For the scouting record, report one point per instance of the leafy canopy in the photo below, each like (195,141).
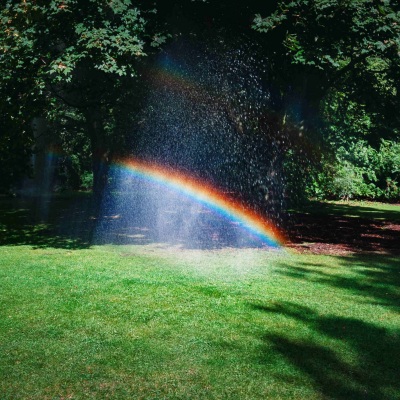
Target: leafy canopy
(54,38)
(332,34)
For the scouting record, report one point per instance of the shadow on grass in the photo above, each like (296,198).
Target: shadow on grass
(362,363)
(345,357)
(40,237)
(78,222)
(387,212)
(140,218)
(374,278)
(346,227)
(42,223)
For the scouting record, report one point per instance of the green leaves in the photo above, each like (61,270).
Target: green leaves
(65,54)
(380,46)
(342,59)
(108,36)
(360,171)
(266,24)
(344,30)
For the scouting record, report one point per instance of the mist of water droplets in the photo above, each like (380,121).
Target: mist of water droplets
(206,113)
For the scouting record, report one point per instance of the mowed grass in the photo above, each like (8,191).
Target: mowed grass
(146,322)
(374,211)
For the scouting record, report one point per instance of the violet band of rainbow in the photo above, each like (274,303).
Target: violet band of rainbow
(205,194)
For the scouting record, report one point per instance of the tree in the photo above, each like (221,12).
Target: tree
(15,145)
(84,55)
(352,46)
(341,60)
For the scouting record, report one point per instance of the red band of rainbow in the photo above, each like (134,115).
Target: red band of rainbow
(207,195)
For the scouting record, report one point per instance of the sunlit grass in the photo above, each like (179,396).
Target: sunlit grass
(355,209)
(143,322)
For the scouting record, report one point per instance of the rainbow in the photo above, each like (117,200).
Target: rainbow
(207,195)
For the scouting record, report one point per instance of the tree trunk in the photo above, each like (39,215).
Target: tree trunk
(99,151)
(43,163)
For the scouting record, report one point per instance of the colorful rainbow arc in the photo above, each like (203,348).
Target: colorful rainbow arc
(207,195)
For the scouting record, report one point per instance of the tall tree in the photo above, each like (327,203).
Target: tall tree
(338,67)
(351,46)
(85,55)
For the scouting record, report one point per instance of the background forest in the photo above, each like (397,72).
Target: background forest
(74,77)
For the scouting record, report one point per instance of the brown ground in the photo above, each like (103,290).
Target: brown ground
(343,235)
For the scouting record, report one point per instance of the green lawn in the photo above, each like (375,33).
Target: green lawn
(356,209)
(137,322)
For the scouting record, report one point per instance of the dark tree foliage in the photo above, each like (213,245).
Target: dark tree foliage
(84,55)
(352,46)
(332,73)
(342,61)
